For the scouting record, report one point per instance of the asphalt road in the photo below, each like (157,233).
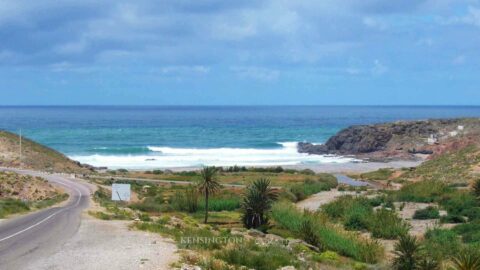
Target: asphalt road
(28,237)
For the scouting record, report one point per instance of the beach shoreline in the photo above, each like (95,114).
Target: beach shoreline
(346,167)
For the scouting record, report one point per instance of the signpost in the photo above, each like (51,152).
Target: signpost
(121,192)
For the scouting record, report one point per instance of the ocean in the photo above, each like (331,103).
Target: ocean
(147,137)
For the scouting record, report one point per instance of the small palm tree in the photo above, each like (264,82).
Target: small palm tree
(427,263)
(476,188)
(258,200)
(406,251)
(308,233)
(468,259)
(208,185)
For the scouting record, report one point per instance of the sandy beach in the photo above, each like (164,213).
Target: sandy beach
(347,167)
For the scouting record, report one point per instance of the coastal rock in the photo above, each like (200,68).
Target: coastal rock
(397,139)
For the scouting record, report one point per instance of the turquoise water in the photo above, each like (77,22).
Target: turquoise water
(144,137)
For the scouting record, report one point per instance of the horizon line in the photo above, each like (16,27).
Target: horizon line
(241,105)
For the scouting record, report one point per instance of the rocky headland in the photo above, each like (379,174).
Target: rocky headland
(402,140)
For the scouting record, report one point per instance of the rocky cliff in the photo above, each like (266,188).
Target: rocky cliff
(401,140)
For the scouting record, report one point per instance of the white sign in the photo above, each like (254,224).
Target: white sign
(120,192)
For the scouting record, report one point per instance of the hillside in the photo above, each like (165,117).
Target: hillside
(22,193)
(35,156)
(400,140)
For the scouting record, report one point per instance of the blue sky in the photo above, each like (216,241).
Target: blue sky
(272,52)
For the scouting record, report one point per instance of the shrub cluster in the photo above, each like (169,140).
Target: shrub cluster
(328,235)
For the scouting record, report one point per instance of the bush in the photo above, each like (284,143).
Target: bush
(441,243)
(149,204)
(429,212)
(467,259)
(452,219)
(187,200)
(472,213)
(217,204)
(308,234)
(470,232)
(324,182)
(424,191)
(329,236)
(256,257)
(347,205)
(12,206)
(458,202)
(380,174)
(407,253)
(386,224)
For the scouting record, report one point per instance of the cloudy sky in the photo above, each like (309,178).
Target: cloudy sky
(240,52)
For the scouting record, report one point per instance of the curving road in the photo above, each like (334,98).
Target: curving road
(28,237)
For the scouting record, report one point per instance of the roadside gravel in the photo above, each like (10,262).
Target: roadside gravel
(106,245)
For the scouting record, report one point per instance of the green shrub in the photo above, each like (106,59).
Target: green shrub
(328,256)
(102,196)
(380,174)
(424,191)
(441,243)
(467,259)
(386,224)
(472,213)
(470,232)
(257,257)
(429,212)
(347,205)
(149,204)
(406,253)
(12,206)
(308,234)
(329,236)
(220,204)
(458,202)
(452,219)
(308,187)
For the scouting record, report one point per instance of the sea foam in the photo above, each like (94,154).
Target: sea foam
(169,157)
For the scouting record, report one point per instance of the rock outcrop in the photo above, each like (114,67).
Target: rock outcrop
(401,139)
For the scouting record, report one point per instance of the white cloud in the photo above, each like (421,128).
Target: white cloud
(179,70)
(374,23)
(256,73)
(378,68)
(471,18)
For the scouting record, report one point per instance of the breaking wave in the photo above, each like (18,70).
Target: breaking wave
(170,157)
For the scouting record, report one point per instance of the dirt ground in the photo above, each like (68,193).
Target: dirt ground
(105,245)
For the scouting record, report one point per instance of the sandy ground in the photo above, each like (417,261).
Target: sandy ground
(314,202)
(105,245)
(356,167)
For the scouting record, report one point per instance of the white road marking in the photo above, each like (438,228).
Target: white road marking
(50,216)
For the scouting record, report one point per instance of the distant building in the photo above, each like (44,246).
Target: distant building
(432,139)
(460,127)
(453,133)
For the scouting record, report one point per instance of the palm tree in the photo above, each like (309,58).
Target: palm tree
(258,200)
(406,251)
(467,259)
(427,263)
(208,185)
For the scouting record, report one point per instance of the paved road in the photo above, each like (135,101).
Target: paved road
(28,237)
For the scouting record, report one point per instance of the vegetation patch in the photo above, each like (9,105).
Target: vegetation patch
(330,237)
(429,212)
(380,174)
